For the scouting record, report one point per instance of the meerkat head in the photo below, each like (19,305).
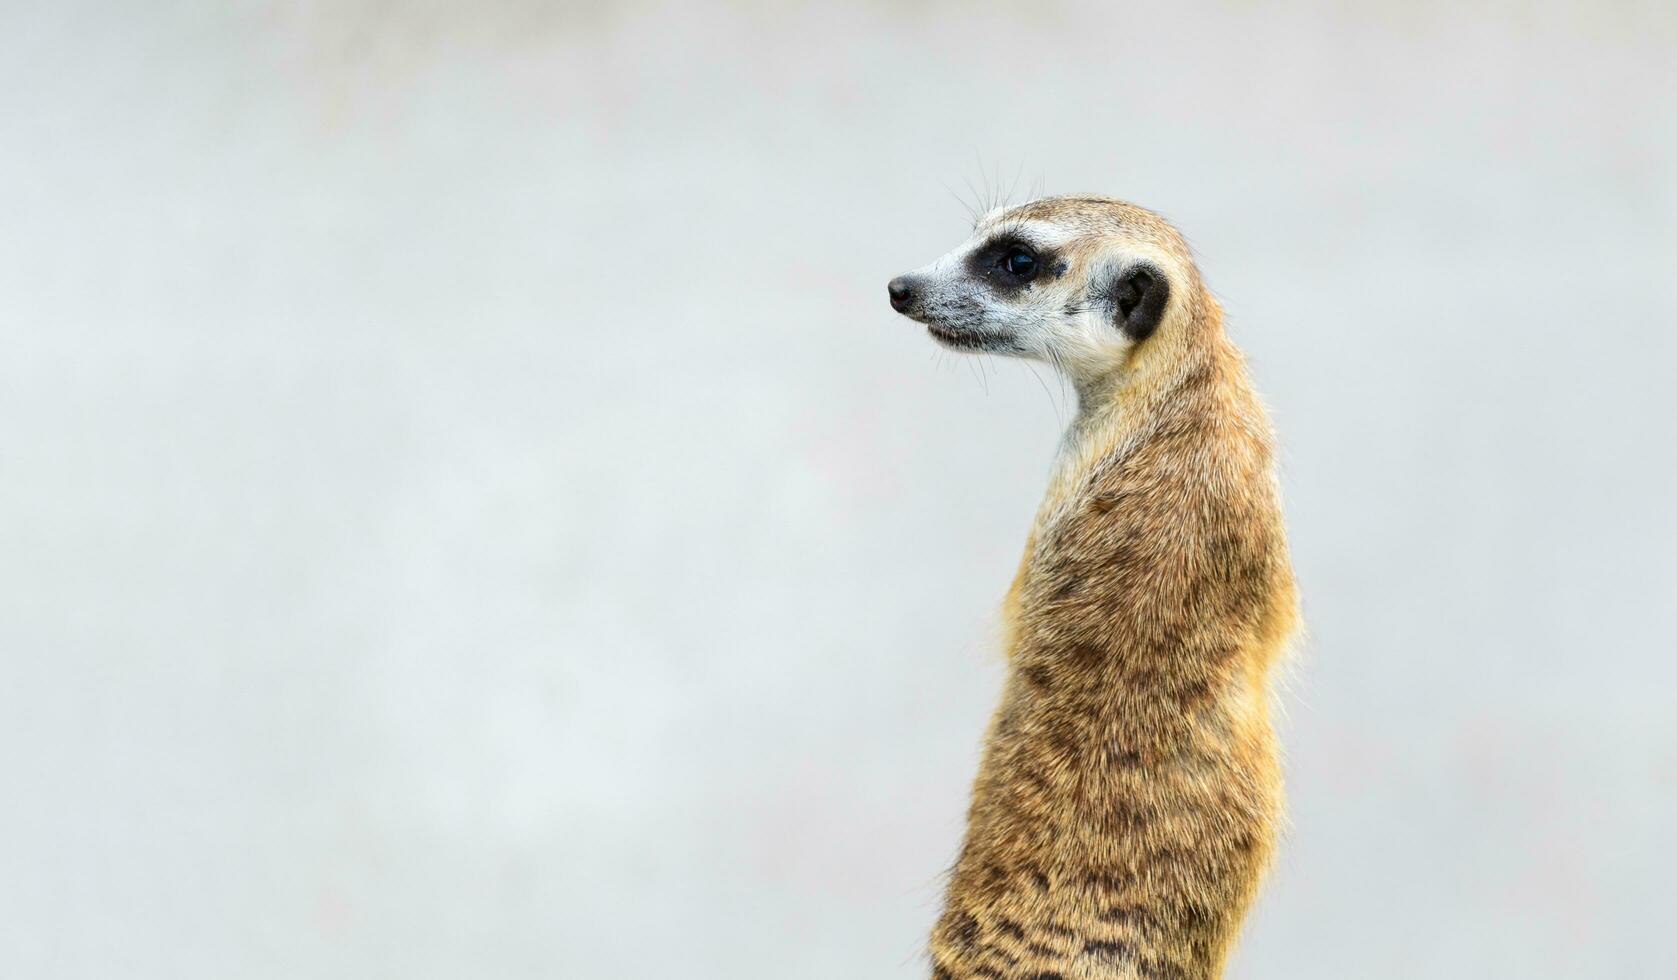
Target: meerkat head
(1076,281)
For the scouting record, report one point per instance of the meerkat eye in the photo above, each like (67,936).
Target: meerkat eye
(1019,262)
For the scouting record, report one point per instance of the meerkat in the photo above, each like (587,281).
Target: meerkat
(1129,793)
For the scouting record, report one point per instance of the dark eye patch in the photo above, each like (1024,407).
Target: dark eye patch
(1009,263)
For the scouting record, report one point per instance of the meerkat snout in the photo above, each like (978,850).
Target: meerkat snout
(902,293)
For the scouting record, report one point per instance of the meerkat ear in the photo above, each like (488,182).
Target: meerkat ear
(1138,296)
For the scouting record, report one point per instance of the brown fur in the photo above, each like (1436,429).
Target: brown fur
(1129,794)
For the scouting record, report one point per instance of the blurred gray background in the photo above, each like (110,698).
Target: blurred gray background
(466,508)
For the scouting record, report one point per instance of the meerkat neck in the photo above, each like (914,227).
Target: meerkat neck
(1098,393)
(1098,401)
(1117,404)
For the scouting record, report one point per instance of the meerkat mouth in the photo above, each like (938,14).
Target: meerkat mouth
(956,337)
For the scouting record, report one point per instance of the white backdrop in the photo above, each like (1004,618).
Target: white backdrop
(466,508)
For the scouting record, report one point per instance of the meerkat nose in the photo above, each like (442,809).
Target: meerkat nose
(902,293)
